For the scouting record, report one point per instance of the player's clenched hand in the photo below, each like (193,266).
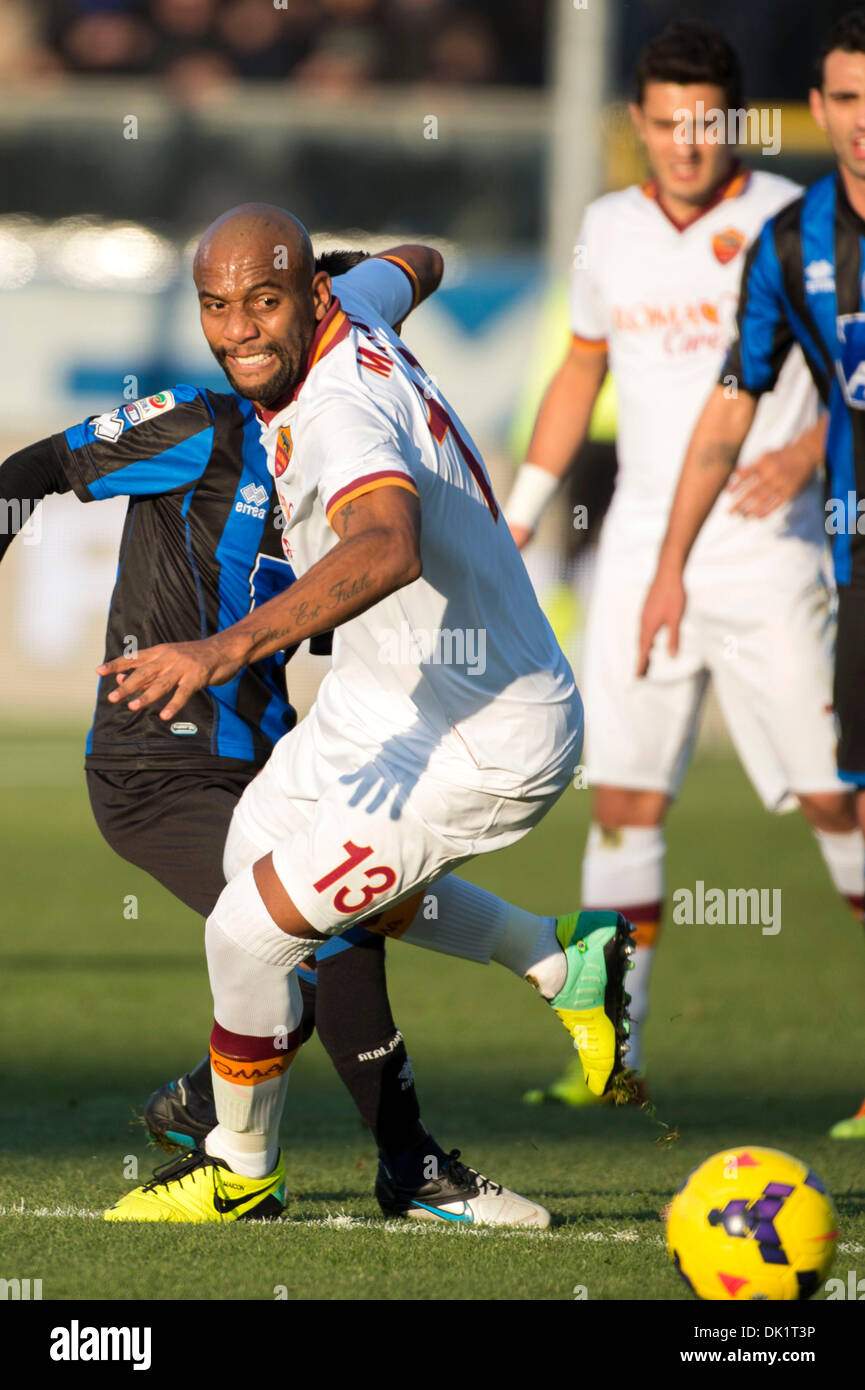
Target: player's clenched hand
(664,607)
(177,669)
(760,487)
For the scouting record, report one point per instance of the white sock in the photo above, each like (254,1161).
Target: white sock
(257,1013)
(459,919)
(623,867)
(530,948)
(637,985)
(844,857)
(623,871)
(251,1155)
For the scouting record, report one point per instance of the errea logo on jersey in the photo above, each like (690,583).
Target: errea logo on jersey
(254,497)
(819,277)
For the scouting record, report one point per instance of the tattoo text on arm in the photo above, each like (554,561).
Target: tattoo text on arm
(346,589)
(306,611)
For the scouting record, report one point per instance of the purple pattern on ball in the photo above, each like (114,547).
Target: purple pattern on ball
(813,1181)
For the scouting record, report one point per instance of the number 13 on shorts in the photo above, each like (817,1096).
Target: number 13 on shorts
(357,854)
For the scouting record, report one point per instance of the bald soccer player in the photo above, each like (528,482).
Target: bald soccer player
(202,544)
(447,726)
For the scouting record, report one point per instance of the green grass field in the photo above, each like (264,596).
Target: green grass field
(753,1039)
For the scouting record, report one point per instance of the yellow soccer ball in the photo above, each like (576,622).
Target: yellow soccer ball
(752,1223)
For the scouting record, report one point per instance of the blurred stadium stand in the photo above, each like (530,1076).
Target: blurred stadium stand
(329,45)
(126,125)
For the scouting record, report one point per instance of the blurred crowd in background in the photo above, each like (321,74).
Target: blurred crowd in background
(342,46)
(338,45)
(321,105)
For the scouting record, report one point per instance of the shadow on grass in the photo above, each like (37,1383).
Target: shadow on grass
(43,963)
(70,1110)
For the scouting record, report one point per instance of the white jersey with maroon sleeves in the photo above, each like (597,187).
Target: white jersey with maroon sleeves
(460,668)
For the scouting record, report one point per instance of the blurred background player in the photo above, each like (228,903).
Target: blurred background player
(653,288)
(803,284)
(562,573)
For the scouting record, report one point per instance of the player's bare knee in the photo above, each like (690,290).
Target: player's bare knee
(278,902)
(618,807)
(832,812)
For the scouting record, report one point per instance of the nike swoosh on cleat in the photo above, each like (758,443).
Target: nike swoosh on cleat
(445,1215)
(224,1204)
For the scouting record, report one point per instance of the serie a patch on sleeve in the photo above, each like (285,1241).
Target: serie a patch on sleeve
(111,425)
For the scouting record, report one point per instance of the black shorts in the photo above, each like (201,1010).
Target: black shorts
(849,694)
(172,824)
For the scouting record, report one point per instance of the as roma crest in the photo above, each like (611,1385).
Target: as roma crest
(283,452)
(727,244)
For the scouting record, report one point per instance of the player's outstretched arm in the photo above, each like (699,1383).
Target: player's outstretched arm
(378,553)
(25,479)
(560,429)
(711,457)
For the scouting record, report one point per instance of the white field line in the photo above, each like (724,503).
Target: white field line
(342,1221)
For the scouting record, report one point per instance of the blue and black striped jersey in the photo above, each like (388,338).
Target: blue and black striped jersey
(202,545)
(803,282)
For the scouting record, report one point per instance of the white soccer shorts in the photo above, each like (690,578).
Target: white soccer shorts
(353,829)
(767,648)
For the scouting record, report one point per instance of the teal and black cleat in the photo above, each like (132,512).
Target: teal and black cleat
(179,1114)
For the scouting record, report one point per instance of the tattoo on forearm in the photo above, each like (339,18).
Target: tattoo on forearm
(718,456)
(345,589)
(307,612)
(285,633)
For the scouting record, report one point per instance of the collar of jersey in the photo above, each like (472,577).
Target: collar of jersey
(330,332)
(732,186)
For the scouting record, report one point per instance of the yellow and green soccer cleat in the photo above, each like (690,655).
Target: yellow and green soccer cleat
(854,1128)
(592,1004)
(199,1188)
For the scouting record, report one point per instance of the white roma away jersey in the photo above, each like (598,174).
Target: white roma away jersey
(461,664)
(664,300)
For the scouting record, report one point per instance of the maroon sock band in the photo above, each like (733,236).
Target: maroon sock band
(243,1047)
